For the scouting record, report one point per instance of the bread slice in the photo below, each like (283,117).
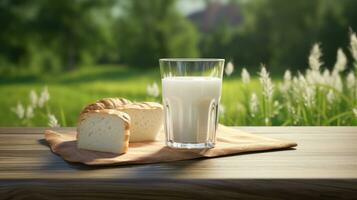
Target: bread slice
(146,120)
(105,130)
(146,117)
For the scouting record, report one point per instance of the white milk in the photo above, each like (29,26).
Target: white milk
(191,108)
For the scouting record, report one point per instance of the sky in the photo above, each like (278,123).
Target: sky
(187,7)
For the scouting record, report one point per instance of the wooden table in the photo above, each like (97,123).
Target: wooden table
(324,165)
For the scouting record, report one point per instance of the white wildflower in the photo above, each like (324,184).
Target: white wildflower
(296,89)
(306,90)
(266,120)
(301,81)
(287,76)
(309,96)
(245,76)
(337,82)
(253,104)
(229,68)
(314,77)
(341,61)
(277,107)
(326,77)
(285,86)
(314,58)
(300,84)
(52,121)
(355,111)
(153,90)
(221,109)
(29,112)
(292,113)
(266,83)
(353,45)
(44,97)
(282,88)
(19,110)
(33,98)
(330,97)
(351,80)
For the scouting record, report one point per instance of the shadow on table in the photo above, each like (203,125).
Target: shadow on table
(54,161)
(134,170)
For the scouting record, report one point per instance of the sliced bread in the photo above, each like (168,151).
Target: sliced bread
(146,117)
(105,130)
(146,120)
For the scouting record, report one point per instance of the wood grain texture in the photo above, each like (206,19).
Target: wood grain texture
(324,166)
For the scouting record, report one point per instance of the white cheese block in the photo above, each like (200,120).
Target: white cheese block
(104,130)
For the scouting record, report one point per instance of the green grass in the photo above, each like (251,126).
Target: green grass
(71,91)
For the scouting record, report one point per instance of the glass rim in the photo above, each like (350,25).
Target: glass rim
(191,59)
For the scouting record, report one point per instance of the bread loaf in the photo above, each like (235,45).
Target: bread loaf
(105,130)
(146,117)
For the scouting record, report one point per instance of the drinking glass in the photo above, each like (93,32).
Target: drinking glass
(191,91)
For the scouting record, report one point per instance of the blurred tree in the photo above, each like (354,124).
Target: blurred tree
(149,30)
(218,42)
(45,35)
(280,33)
(284,31)
(218,27)
(14,15)
(77,31)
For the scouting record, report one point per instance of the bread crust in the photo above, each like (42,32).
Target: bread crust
(106,103)
(141,105)
(124,116)
(120,104)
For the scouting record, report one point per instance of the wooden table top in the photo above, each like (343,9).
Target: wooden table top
(324,165)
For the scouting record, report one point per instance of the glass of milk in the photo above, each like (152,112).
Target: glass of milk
(191,91)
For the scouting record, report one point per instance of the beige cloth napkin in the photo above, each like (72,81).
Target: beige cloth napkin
(229,142)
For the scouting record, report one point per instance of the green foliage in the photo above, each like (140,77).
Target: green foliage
(51,36)
(45,35)
(13,20)
(149,30)
(77,31)
(280,33)
(41,36)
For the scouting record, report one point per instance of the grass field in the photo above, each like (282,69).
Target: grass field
(70,91)
(304,102)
